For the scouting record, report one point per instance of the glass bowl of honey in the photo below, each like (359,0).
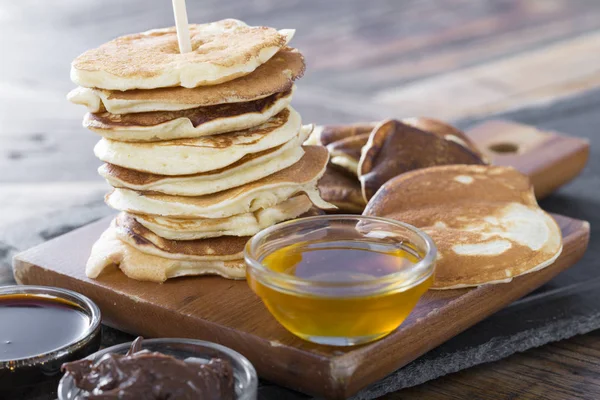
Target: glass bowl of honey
(340,280)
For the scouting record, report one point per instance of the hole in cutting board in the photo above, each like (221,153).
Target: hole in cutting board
(504,148)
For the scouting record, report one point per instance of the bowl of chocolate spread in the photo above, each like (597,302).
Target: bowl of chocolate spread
(158,369)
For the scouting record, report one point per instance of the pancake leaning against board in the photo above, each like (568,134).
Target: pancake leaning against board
(366,155)
(486,222)
(485,219)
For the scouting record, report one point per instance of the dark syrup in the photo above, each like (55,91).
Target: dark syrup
(31,325)
(32,328)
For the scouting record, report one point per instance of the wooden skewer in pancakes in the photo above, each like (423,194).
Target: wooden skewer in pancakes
(202,148)
(485,221)
(221,51)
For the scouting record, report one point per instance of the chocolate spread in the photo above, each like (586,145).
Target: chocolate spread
(145,375)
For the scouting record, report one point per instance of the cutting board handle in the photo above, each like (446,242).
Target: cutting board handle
(548,158)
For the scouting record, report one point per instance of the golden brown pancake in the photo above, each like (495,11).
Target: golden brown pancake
(190,123)
(327,134)
(209,153)
(238,174)
(134,177)
(219,248)
(341,190)
(443,130)
(249,168)
(246,224)
(345,142)
(330,134)
(110,250)
(221,51)
(275,76)
(301,177)
(345,153)
(395,148)
(484,220)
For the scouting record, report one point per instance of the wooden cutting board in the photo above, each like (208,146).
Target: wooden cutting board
(549,159)
(227,312)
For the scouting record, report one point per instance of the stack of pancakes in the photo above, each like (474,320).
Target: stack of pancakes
(202,149)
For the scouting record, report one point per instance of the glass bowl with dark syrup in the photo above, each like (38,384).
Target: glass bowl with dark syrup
(40,329)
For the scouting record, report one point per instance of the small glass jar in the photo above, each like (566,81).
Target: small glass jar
(245,378)
(40,373)
(341,313)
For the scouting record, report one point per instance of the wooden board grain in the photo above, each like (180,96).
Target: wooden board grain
(548,158)
(508,83)
(563,370)
(227,312)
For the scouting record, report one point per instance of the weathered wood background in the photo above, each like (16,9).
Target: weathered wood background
(452,59)
(537,61)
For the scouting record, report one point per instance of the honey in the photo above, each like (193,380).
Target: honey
(352,291)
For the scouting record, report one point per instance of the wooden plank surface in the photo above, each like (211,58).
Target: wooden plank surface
(548,158)
(227,312)
(354,54)
(366,51)
(539,76)
(210,308)
(559,371)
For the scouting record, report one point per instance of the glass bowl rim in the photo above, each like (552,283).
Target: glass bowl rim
(248,388)
(421,271)
(91,309)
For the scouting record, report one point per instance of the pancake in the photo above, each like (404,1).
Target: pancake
(301,177)
(327,134)
(192,123)
(445,131)
(342,191)
(221,51)
(109,250)
(275,76)
(485,221)
(249,168)
(209,153)
(345,153)
(395,148)
(246,224)
(225,248)
(345,142)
